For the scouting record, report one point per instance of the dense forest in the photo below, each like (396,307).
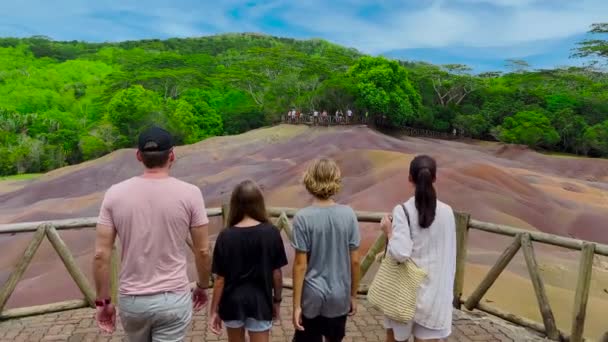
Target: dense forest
(66,102)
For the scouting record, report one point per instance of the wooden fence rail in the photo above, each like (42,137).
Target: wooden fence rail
(523,239)
(333,121)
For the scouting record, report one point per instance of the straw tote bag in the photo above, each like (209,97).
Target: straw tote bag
(395,287)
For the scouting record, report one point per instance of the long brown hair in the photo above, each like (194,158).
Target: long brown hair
(247,200)
(423,171)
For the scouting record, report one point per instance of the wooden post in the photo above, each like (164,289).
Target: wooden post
(462,234)
(70,264)
(288,228)
(493,274)
(284,224)
(370,257)
(582,292)
(26,258)
(114,274)
(518,320)
(539,288)
(225,212)
(43,309)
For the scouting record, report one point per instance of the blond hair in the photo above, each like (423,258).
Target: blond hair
(322,178)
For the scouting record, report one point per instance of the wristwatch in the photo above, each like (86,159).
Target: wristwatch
(102,302)
(200,287)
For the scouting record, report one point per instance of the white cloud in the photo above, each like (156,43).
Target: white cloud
(451,23)
(503,3)
(399,24)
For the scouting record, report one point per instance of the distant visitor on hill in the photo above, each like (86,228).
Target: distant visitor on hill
(326,239)
(247,262)
(153,215)
(423,230)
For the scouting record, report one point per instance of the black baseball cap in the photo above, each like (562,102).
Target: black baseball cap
(155,139)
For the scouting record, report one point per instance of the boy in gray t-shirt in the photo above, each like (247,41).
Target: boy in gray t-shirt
(326,268)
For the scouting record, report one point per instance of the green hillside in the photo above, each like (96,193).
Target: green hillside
(66,102)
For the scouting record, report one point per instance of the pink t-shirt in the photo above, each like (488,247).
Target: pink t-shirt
(152,218)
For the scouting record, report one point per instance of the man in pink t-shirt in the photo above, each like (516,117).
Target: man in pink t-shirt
(153,215)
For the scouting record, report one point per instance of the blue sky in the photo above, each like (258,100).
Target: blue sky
(420,29)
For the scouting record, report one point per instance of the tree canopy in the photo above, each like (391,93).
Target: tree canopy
(66,102)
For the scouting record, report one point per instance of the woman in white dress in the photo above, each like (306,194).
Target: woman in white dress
(429,239)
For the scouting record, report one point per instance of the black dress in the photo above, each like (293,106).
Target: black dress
(246,258)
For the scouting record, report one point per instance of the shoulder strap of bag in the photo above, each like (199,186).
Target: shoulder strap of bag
(407,217)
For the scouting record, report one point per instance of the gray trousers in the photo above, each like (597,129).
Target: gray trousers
(163,317)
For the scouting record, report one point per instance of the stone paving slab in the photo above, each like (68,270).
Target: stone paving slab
(78,325)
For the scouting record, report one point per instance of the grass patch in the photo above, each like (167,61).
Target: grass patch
(24,176)
(563,155)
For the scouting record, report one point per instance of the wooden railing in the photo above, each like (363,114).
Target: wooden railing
(329,120)
(523,239)
(333,121)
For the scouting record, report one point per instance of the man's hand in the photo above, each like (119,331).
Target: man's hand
(353,306)
(215,323)
(276,312)
(199,298)
(106,318)
(297,319)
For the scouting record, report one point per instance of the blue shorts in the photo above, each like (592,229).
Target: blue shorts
(250,324)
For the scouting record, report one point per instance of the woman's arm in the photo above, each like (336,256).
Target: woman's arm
(400,243)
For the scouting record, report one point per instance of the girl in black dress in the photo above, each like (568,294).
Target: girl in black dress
(247,262)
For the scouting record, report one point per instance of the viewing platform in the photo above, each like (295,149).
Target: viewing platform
(79,326)
(358,120)
(474,320)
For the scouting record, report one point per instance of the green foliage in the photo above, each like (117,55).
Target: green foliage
(131,110)
(20,177)
(383,88)
(596,138)
(528,128)
(596,47)
(205,119)
(66,102)
(474,126)
(92,147)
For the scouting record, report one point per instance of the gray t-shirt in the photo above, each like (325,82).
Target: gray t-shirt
(327,235)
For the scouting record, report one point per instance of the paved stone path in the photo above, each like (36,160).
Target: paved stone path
(78,325)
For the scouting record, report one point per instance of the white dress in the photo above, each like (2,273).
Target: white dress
(434,250)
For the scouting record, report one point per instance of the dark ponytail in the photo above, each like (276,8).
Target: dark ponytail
(423,171)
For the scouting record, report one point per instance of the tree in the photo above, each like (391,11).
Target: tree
(594,47)
(571,129)
(206,119)
(475,125)
(383,88)
(517,65)
(596,138)
(338,91)
(92,147)
(528,128)
(182,122)
(130,110)
(452,83)
(490,74)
